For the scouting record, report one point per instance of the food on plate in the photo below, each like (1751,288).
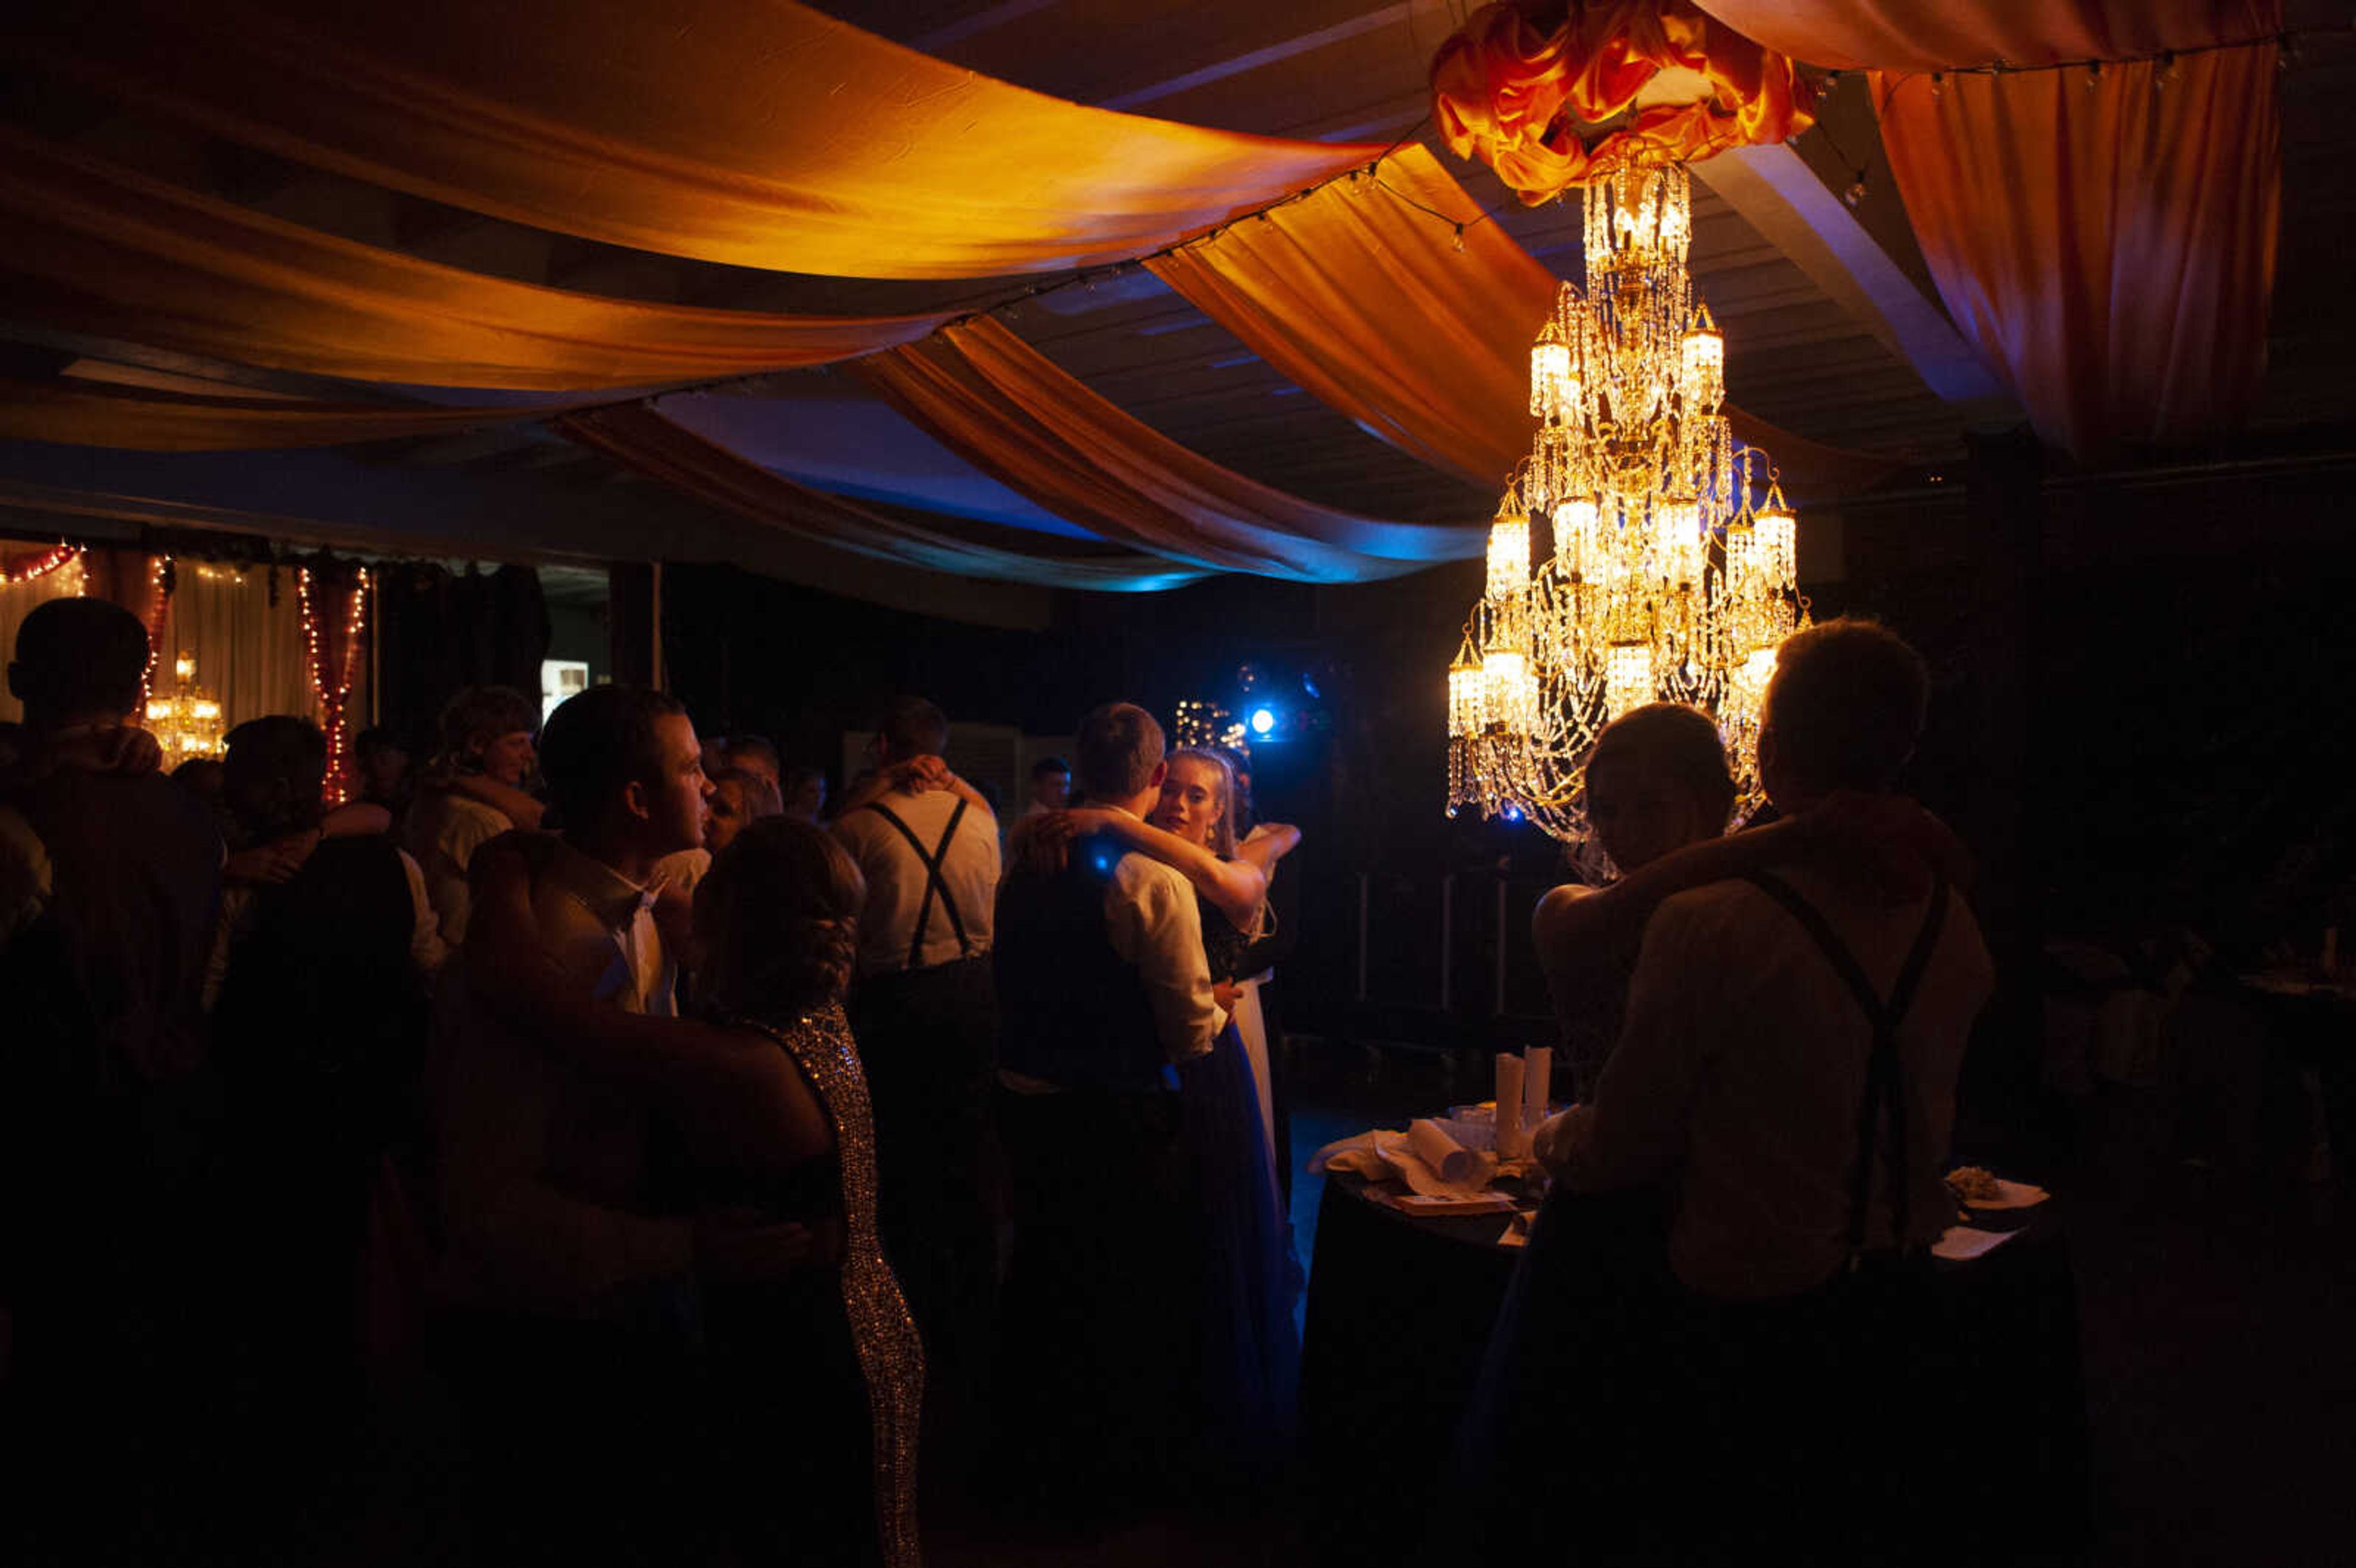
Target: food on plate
(1971,1184)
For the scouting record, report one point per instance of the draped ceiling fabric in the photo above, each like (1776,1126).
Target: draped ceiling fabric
(101,248)
(2107,244)
(1015,415)
(1361,298)
(663,449)
(759,132)
(78,414)
(1517,82)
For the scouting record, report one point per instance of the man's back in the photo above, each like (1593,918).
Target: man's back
(441,833)
(135,869)
(1742,1066)
(897,880)
(1096,983)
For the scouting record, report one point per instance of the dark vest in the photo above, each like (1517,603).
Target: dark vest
(1070,1011)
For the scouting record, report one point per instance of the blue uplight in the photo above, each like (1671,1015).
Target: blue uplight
(1513,813)
(1263,719)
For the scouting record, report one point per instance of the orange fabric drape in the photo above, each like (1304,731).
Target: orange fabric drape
(1516,83)
(96,248)
(1010,411)
(1359,295)
(663,449)
(1906,34)
(2108,245)
(2112,252)
(760,133)
(79,414)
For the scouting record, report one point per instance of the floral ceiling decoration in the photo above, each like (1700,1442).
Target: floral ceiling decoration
(1533,90)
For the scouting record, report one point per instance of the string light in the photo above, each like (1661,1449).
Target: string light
(334,689)
(160,578)
(55,558)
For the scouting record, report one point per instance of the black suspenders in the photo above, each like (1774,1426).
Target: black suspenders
(933,886)
(1885,1087)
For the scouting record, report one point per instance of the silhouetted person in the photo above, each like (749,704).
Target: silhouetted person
(105,1261)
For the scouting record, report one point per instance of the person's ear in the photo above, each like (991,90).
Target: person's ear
(636,799)
(1160,772)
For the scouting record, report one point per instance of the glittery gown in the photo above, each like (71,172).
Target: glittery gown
(819,1382)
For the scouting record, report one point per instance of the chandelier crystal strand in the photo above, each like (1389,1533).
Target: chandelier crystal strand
(1672,570)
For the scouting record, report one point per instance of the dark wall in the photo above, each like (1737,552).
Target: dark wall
(2139,711)
(438,630)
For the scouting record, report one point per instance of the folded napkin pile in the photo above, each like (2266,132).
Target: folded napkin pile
(1431,1162)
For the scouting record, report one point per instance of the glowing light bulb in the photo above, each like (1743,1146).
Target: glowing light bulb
(1464,700)
(1550,378)
(1578,534)
(1509,555)
(1627,678)
(1777,533)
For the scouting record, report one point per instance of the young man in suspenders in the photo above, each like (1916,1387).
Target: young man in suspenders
(925,1012)
(1787,1072)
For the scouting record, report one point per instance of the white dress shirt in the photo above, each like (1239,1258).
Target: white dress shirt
(444,831)
(1740,1069)
(1155,924)
(895,880)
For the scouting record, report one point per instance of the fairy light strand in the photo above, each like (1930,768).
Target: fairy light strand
(334,691)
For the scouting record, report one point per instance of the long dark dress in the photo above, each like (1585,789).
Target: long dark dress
(1251,1350)
(818,1381)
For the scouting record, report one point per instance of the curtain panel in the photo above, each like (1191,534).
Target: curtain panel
(19,600)
(759,132)
(97,248)
(2111,252)
(76,413)
(1906,34)
(2106,243)
(247,643)
(438,630)
(1359,295)
(1017,416)
(661,448)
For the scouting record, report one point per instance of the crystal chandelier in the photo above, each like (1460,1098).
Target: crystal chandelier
(1664,564)
(186,723)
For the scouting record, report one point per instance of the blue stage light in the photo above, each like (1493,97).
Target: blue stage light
(1263,719)
(1513,813)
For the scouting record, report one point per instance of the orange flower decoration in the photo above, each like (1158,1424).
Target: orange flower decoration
(1515,85)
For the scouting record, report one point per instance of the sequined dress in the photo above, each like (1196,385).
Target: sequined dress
(883,1335)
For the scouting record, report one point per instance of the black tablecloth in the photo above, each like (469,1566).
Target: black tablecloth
(1399,1313)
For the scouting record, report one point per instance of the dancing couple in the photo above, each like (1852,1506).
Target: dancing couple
(1149,1347)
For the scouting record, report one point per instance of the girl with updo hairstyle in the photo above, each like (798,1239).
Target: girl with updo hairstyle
(814,1372)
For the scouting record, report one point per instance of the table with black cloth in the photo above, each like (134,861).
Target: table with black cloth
(1399,1312)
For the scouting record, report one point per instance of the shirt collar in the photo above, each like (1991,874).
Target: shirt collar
(612,897)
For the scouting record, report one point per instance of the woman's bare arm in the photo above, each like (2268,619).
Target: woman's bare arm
(356,819)
(519,807)
(1237,887)
(1269,843)
(1573,922)
(708,1072)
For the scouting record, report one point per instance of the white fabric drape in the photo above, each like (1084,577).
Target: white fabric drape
(17,601)
(249,653)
